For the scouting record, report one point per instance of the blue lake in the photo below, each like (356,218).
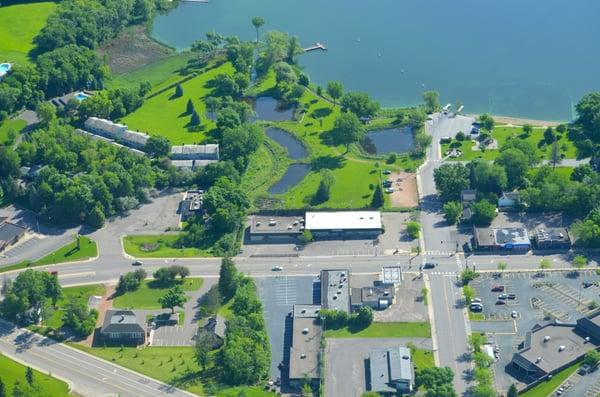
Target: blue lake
(294,174)
(523,58)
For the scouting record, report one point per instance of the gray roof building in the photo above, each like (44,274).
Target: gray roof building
(378,297)
(391,370)
(306,344)
(122,326)
(118,132)
(10,233)
(513,238)
(276,225)
(335,289)
(552,238)
(195,152)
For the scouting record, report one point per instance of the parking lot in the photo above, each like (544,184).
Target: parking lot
(564,295)
(278,295)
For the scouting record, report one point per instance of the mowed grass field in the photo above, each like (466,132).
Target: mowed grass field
(166,115)
(11,371)
(133,245)
(81,293)
(8,125)
(147,295)
(384,330)
(20,24)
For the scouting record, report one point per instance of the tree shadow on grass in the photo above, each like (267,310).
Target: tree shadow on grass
(327,138)
(321,113)
(328,161)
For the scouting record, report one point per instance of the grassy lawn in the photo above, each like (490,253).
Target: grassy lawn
(546,388)
(166,116)
(503,133)
(15,125)
(146,297)
(476,316)
(82,293)
(384,330)
(161,247)
(563,172)
(68,253)
(423,358)
(11,371)
(20,24)
(252,391)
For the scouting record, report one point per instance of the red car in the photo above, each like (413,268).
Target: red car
(498,288)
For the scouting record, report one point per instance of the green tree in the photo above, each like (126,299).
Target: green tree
(580,262)
(360,104)
(512,391)
(487,177)
(452,211)
(484,212)
(432,101)
(205,343)
(46,112)
(378,199)
(469,294)
(3,392)
(370,394)
(444,390)
(158,146)
(306,237)
(450,180)
(527,129)
(431,377)
(257,22)
(516,165)
(476,341)
(29,376)
(324,189)
(555,154)
(96,217)
(413,229)
(549,135)
(334,319)
(545,264)
(347,130)
(487,122)
(502,266)
(228,279)
(591,358)
(335,90)
(363,318)
(174,297)
(468,275)
(243,361)
(306,390)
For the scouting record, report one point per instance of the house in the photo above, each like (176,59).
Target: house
(335,289)
(305,349)
(10,233)
(391,371)
(344,224)
(122,326)
(510,201)
(378,297)
(552,238)
(216,327)
(499,239)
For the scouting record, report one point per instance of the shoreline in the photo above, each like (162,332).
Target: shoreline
(518,121)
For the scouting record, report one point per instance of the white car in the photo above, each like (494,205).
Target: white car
(514,314)
(277,268)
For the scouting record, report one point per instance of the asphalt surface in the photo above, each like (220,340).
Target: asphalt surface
(86,374)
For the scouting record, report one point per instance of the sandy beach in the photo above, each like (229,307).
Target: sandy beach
(519,121)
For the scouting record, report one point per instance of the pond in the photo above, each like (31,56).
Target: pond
(268,109)
(392,140)
(294,174)
(295,149)
(513,57)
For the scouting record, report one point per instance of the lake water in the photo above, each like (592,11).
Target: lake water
(393,140)
(294,174)
(296,150)
(267,109)
(525,58)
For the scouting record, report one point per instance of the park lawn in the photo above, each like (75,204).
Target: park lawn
(20,24)
(66,254)
(503,133)
(385,330)
(563,172)
(81,293)
(8,125)
(147,295)
(160,73)
(133,246)
(11,371)
(546,388)
(166,116)
(248,391)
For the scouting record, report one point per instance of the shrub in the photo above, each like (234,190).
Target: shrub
(413,229)
(460,136)
(391,158)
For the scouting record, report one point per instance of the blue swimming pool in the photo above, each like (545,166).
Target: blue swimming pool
(4,68)
(81,96)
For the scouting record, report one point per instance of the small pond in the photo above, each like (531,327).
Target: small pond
(294,174)
(268,109)
(392,140)
(295,148)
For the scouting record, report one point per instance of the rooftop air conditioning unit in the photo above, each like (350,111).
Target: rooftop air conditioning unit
(537,360)
(303,355)
(305,331)
(546,338)
(561,348)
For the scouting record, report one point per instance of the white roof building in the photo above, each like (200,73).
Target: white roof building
(343,220)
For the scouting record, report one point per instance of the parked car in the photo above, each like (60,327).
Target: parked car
(389,190)
(514,314)
(475,130)
(503,296)
(137,263)
(277,268)
(512,296)
(476,307)
(498,288)
(500,302)
(429,265)
(584,369)
(387,183)
(386,172)
(476,300)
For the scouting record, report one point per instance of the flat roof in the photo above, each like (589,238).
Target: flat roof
(552,234)
(486,236)
(563,347)
(306,344)
(276,224)
(335,289)
(390,365)
(343,220)
(8,231)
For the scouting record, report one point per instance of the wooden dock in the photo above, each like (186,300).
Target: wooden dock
(317,46)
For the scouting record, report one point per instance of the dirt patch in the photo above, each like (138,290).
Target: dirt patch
(133,49)
(405,190)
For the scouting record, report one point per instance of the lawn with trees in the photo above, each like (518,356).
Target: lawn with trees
(383,330)
(42,385)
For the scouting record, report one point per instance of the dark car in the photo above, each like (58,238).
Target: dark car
(512,296)
(500,302)
(498,288)
(429,265)
(137,263)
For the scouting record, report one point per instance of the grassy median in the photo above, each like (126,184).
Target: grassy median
(384,330)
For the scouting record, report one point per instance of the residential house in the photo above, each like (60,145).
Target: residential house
(509,201)
(122,326)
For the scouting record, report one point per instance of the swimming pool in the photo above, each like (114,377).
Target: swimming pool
(81,96)
(4,68)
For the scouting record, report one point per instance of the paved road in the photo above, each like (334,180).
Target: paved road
(87,375)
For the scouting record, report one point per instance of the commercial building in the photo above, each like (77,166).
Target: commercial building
(122,326)
(378,297)
(391,371)
(344,224)
(335,289)
(548,349)
(552,238)
(275,229)
(191,205)
(496,239)
(305,351)
(10,233)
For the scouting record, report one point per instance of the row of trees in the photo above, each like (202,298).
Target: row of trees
(28,387)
